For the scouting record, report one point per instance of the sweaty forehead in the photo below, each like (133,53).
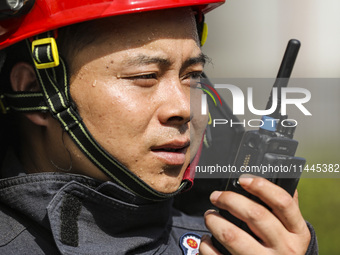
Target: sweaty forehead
(126,32)
(146,26)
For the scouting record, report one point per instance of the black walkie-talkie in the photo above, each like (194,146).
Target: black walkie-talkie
(271,146)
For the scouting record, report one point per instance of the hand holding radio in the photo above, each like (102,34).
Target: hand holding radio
(262,215)
(281,230)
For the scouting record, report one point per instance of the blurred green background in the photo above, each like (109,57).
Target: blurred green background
(246,40)
(320,205)
(320,201)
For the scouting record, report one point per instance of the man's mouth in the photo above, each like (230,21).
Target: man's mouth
(172,153)
(169,149)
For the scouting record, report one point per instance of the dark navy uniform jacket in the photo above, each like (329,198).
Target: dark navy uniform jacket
(60,213)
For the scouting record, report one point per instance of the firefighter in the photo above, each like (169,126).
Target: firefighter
(98,136)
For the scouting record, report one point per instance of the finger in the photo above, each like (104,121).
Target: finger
(230,236)
(296,197)
(207,247)
(281,203)
(259,219)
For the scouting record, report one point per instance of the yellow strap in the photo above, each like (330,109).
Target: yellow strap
(52,49)
(204,34)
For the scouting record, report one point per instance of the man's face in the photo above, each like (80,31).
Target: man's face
(132,89)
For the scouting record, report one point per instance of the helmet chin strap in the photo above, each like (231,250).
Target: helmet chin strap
(56,98)
(189,174)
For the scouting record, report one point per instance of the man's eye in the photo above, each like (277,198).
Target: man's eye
(196,75)
(143,80)
(192,79)
(142,76)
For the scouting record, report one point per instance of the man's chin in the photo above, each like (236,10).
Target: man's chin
(166,185)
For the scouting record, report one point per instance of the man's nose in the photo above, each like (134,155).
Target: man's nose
(175,104)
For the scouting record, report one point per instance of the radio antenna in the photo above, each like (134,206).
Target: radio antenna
(283,75)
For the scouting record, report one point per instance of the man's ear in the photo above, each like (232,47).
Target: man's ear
(23,78)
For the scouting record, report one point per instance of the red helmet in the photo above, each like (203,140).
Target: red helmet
(22,19)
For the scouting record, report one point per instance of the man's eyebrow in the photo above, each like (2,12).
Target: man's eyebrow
(147,60)
(140,60)
(200,59)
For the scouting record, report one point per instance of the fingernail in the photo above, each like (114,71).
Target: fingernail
(209,212)
(204,238)
(215,195)
(246,179)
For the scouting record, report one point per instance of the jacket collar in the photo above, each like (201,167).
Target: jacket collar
(86,216)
